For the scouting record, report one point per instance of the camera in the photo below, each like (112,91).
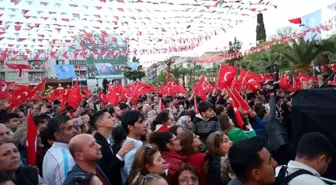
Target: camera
(269,87)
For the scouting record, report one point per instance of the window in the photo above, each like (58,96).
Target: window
(12,75)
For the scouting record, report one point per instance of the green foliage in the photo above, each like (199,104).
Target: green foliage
(161,78)
(136,60)
(134,75)
(302,52)
(260,31)
(234,47)
(258,62)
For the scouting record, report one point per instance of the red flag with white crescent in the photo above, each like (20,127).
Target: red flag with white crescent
(31,140)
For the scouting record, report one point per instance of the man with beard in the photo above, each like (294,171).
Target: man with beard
(86,153)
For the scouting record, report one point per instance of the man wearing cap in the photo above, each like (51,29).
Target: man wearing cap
(206,121)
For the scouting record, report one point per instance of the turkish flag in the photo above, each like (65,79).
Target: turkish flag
(226,75)
(295,21)
(200,88)
(74,97)
(31,140)
(253,81)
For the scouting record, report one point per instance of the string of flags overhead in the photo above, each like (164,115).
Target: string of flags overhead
(35,29)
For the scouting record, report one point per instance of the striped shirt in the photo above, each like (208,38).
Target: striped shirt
(57,163)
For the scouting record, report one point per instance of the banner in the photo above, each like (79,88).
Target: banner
(65,71)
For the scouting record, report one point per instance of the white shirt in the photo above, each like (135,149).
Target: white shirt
(304,179)
(129,158)
(57,163)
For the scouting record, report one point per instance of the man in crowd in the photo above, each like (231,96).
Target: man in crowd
(135,126)
(146,108)
(58,162)
(277,138)
(13,121)
(111,162)
(86,153)
(5,134)
(251,162)
(313,155)
(205,122)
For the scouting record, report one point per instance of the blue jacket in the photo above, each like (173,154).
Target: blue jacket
(76,170)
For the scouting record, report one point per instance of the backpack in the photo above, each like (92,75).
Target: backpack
(284,179)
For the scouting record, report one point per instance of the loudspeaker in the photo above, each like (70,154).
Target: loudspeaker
(314,110)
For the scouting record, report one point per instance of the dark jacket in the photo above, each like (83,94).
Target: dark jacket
(215,171)
(110,164)
(26,176)
(204,128)
(276,134)
(77,170)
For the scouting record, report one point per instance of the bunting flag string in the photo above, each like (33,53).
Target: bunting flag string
(327,26)
(144,26)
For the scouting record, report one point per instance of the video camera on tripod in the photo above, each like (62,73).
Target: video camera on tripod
(272,85)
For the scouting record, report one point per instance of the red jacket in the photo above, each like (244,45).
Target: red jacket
(173,161)
(197,161)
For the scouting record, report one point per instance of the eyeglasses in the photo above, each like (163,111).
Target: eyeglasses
(187,180)
(147,177)
(195,136)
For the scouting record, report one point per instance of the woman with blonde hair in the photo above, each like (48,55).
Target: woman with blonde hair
(218,145)
(147,160)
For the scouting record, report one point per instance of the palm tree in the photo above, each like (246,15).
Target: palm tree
(258,62)
(300,53)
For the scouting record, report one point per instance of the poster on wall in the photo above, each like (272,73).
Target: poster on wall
(65,71)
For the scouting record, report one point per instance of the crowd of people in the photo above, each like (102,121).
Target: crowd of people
(184,141)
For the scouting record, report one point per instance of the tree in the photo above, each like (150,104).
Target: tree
(286,31)
(135,59)
(134,75)
(137,74)
(161,78)
(258,62)
(300,53)
(234,47)
(261,32)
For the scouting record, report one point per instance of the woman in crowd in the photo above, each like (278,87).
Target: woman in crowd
(186,175)
(218,145)
(190,144)
(235,134)
(185,122)
(177,130)
(147,160)
(153,179)
(162,122)
(10,164)
(169,146)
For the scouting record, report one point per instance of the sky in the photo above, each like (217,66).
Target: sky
(273,19)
